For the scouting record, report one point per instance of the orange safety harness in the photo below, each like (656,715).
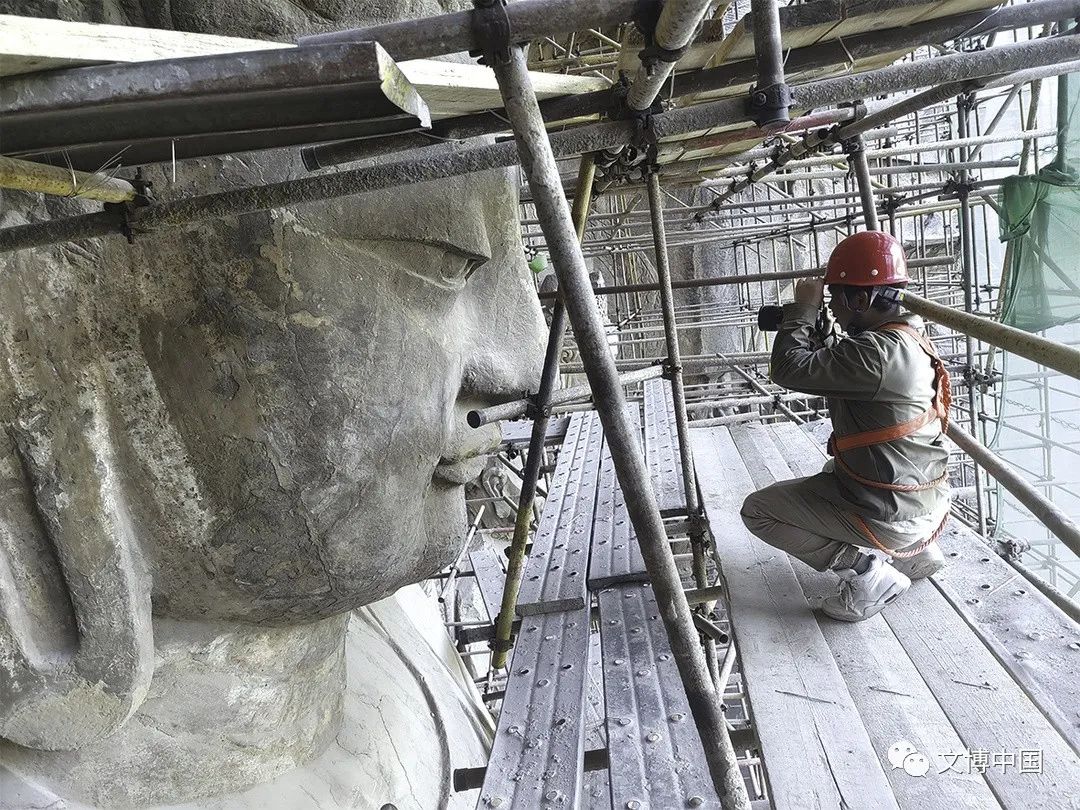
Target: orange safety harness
(939,409)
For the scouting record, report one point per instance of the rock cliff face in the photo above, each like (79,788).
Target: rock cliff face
(258,420)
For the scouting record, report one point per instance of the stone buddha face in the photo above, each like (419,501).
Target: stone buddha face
(318,380)
(256,420)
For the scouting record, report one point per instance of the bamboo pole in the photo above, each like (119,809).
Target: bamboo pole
(25,175)
(516,555)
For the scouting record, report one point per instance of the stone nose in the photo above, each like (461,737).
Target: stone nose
(507,365)
(504,353)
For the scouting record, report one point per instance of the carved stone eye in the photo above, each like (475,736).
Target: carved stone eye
(444,266)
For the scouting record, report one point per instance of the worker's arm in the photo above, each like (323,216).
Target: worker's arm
(851,369)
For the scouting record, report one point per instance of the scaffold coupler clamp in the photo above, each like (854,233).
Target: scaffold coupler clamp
(124,210)
(646,18)
(890,203)
(1013,548)
(491,32)
(670,369)
(644,139)
(768,106)
(508,644)
(697,525)
(852,145)
(534,408)
(954,186)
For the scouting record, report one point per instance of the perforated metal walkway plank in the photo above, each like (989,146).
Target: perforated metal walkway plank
(518,434)
(615,555)
(655,754)
(537,755)
(490,579)
(662,448)
(556,571)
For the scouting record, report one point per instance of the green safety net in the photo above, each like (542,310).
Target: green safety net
(1040,218)
(1038,431)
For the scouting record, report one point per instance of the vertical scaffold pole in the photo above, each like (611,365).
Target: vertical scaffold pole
(967,258)
(542,172)
(515,563)
(856,152)
(678,394)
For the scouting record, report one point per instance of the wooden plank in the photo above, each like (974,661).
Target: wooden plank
(557,568)
(894,702)
(986,706)
(536,756)
(1031,637)
(654,751)
(824,21)
(808,24)
(453,88)
(816,750)
(615,555)
(490,578)
(662,448)
(31,44)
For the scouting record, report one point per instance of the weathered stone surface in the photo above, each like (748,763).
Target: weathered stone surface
(244,429)
(396,740)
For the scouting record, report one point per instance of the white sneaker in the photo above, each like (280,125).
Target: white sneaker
(924,564)
(864,595)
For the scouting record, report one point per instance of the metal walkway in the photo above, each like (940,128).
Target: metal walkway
(654,756)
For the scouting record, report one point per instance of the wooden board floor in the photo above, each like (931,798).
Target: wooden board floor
(945,683)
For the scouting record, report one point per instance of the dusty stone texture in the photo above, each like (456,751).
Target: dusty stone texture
(395,741)
(254,424)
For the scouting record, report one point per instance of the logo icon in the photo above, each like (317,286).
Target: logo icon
(903,754)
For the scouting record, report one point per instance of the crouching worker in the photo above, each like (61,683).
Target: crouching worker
(873,515)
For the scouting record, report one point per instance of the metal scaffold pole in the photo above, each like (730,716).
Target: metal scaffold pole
(553,212)
(678,394)
(856,152)
(1036,348)
(515,565)
(967,257)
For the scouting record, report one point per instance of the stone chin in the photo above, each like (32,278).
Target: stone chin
(293,578)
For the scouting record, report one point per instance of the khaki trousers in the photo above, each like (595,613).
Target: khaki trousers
(792,518)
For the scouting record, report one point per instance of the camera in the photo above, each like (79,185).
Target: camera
(769,318)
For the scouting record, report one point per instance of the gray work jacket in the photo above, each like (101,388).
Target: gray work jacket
(872,380)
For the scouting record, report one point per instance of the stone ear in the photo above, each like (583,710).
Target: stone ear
(61,688)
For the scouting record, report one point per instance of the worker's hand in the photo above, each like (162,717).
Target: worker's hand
(810,291)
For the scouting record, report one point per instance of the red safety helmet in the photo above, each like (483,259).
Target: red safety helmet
(868,259)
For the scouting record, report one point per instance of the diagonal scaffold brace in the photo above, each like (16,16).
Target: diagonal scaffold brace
(542,172)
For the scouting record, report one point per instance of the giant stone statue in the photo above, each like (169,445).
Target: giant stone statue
(221,448)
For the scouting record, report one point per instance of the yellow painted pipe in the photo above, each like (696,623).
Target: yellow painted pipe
(25,175)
